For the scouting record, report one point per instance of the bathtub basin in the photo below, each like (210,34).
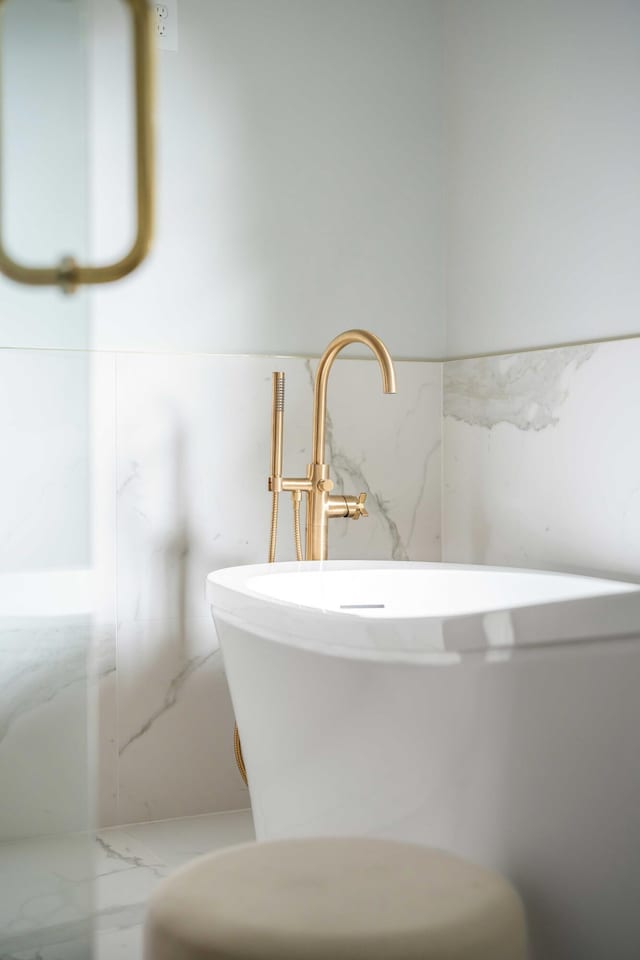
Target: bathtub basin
(491,712)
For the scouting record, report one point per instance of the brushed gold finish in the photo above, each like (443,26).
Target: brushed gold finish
(322,505)
(277,422)
(296,497)
(343,340)
(304,484)
(273,532)
(237,749)
(68,274)
(277,418)
(356,506)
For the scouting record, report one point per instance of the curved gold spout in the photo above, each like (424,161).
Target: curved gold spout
(381,354)
(322,505)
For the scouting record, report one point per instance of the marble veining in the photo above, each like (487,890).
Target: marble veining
(369,435)
(124,857)
(347,469)
(36,665)
(43,702)
(561,490)
(350,472)
(526,390)
(171,696)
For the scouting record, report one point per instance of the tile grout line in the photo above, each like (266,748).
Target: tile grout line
(506,352)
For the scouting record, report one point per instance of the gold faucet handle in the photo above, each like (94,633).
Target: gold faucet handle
(356,506)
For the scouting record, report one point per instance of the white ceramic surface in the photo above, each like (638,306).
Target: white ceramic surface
(507,735)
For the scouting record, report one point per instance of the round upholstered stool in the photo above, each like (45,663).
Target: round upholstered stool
(334,899)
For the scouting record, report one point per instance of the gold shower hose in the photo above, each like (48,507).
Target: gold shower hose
(296,497)
(237,746)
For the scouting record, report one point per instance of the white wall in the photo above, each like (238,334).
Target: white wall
(300,155)
(462,171)
(543,147)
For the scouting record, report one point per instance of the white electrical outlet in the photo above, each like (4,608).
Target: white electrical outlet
(166,24)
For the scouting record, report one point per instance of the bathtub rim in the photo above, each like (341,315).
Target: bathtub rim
(445,640)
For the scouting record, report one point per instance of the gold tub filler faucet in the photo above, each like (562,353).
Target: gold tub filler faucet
(322,504)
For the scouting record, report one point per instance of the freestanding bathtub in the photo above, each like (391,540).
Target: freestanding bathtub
(491,712)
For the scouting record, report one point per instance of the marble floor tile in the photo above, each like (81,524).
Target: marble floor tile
(119,943)
(77,949)
(177,841)
(117,850)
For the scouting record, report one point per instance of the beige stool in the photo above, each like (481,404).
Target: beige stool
(334,899)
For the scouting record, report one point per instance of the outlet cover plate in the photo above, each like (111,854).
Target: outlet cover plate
(166,24)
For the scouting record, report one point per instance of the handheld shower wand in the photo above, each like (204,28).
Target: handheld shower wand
(277,424)
(275,480)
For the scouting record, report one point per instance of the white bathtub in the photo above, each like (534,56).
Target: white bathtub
(491,712)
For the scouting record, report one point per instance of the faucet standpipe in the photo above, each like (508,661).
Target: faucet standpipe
(322,505)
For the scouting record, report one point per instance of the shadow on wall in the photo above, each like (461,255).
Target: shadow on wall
(175,721)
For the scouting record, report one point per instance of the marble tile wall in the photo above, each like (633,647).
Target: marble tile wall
(181,455)
(541,462)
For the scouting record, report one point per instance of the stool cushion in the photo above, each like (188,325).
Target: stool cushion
(334,899)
